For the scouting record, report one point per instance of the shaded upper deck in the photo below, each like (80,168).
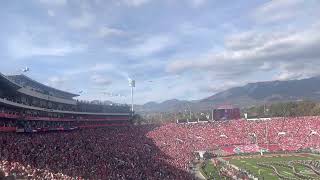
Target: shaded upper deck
(29,83)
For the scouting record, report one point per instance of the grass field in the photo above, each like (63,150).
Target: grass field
(210,171)
(250,164)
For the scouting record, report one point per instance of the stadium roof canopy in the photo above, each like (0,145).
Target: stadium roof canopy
(23,80)
(5,81)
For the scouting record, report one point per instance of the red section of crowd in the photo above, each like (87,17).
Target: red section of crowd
(145,152)
(179,141)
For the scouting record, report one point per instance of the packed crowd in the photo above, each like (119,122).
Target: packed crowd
(31,126)
(80,106)
(179,141)
(112,153)
(145,152)
(31,119)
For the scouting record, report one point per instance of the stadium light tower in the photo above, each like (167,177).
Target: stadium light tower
(132,84)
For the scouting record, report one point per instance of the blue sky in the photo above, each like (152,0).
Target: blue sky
(184,49)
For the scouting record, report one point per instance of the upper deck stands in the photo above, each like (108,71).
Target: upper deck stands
(21,92)
(19,105)
(29,83)
(29,87)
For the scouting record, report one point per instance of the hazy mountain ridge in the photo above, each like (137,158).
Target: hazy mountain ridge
(250,94)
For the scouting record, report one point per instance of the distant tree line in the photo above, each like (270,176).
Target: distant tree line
(285,109)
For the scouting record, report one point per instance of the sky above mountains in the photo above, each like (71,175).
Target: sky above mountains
(183,49)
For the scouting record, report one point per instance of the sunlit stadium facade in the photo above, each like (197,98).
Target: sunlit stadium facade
(29,106)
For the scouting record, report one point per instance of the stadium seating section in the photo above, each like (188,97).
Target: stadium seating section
(147,151)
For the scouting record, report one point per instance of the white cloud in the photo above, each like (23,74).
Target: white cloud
(96,68)
(107,32)
(152,45)
(54,2)
(56,81)
(251,39)
(197,3)
(100,80)
(249,54)
(278,10)
(286,75)
(266,66)
(278,5)
(51,13)
(218,87)
(101,67)
(135,3)
(289,71)
(147,46)
(85,20)
(188,28)
(25,45)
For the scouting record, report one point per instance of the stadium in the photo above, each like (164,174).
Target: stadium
(46,134)
(31,106)
(159,90)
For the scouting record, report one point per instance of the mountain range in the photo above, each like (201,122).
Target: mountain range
(249,95)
